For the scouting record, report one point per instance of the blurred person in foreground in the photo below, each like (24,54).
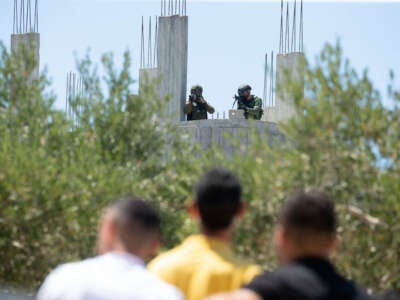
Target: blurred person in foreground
(204,263)
(129,233)
(305,237)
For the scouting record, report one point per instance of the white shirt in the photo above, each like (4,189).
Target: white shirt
(112,276)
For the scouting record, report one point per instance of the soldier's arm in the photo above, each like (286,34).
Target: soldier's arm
(210,109)
(257,104)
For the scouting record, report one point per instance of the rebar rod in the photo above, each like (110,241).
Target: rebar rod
(155,44)
(294,29)
(142,46)
(301,28)
(287,34)
(149,46)
(265,80)
(281,30)
(271,90)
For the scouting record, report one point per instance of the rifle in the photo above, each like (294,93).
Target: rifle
(236,97)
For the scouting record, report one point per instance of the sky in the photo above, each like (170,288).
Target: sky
(228,40)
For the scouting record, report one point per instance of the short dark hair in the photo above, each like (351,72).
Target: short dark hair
(218,196)
(310,211)
(134,216)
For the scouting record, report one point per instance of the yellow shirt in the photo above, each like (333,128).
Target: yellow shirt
(202,266)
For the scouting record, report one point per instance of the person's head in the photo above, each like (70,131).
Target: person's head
(130,225)
(196,90)
(306,226)
(217,200)
(244,90)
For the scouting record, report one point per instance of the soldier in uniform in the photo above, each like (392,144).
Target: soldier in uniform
(196,108)
(251,104)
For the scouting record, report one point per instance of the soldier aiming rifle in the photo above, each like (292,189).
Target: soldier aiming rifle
(251,104)
(196,107)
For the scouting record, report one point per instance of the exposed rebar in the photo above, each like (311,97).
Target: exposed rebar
(25,17)
(265,81)
(36,16)
(301,28)
(281,30)
(149,47)
(271,89)
(287,29)
(142,46)
(155,44)
(73,98)
(293,46)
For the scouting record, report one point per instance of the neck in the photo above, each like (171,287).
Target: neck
(289,257)
(224,235)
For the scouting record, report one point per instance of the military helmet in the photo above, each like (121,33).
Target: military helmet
(197,88)
(243,87)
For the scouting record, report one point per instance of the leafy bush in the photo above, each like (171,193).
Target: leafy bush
(55,178)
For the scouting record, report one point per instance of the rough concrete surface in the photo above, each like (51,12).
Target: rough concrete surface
(220,133)
(172,57)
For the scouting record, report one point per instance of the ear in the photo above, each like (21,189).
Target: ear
(107,233)
(193,210)
(242,209)
(334,244)
(283,239)
(152,248)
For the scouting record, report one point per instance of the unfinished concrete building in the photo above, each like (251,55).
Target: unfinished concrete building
(170,66)
(166,57)
(170,43)
(26,31)
(280,106)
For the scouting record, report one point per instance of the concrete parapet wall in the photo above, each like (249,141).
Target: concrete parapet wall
(220,133)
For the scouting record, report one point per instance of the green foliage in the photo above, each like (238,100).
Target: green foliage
(345,142)
(56,177)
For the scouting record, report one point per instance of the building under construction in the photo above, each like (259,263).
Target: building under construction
(163,55)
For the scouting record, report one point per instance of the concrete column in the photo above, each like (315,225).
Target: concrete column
(172,58)
(288,72)
(31,42)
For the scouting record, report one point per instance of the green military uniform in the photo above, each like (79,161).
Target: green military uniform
(252,105)
(196,108)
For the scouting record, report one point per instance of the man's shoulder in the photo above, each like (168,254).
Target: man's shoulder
(98,276)
(62,277)
(306,283)
(256,98)
(169,258)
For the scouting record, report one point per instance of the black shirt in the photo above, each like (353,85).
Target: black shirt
(309,278)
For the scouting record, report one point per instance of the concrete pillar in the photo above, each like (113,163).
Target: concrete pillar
(172,58)
(31,42)
(288,72)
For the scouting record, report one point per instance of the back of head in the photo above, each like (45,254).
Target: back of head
(218,197)
(137,222)
(308,214)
